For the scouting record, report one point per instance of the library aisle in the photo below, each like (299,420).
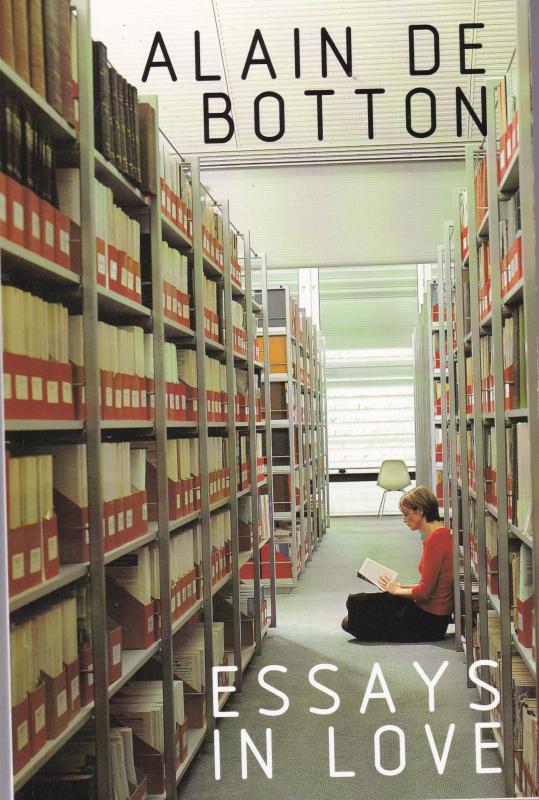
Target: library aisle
(309,634)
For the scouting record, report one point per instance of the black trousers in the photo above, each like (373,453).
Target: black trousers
(383,617)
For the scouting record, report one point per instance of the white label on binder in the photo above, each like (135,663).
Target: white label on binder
(144,512)
(3,208)
(53,396)
(129,517)
(64,242)
(113,270)
(121,521)
(138,285)
(74,688)
(101,264)
(150,623)
(37,387)
(90,674)
(17,566)
(36,227)
(67,396)
(7,386)
(108,396)
(126,398)
(35,560)
(118,398)
(130,280)
(116,654)
(135,403)
(22,735)
(18,215)
(61,703)
(111,524)
(124,276)
(39,718)
(49,233)
(21,387)
(52,548)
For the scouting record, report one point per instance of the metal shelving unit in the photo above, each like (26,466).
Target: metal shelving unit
(471,502)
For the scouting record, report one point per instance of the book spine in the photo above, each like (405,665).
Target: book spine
(37,52)
(7,46)
(64,26)
(20,39)
(53,75)
(103,138)
(115,117)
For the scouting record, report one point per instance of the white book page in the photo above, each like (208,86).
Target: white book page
(372,571)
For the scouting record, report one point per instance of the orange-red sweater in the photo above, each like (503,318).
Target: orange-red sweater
(434,592)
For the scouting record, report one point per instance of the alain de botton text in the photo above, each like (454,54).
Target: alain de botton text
(389,743)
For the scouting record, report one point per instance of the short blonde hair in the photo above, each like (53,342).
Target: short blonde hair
(422,499)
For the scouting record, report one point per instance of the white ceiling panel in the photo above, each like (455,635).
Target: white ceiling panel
(379,59)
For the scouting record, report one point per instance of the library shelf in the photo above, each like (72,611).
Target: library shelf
(517,413)
(218,585)
(125,193)
(492,510)
(485,323)
(257,308)
(510,181)
(488,417)
(237,291)
(280,330)
(43,425)
(494,601)
(281,377)
(69,573)
(472,493)
(51,121)
(525,652)
(245,556)
(173,424)
(243,492)
(498,739)
(186,616)
(281,423)
(13,256)
(219,504)
(211,267)
(174,330)
(134,544)
(239,358)
(114,303)
(126,424)
(261,426)
(514,295)
(483,229)
(218,426)
(258,365)
(284,469)
(214,347)
(174,236)
(132,661)
(520,534)
(242,425)
(248,651)
(180,523)
(51,747)
(262,484)
(195,739)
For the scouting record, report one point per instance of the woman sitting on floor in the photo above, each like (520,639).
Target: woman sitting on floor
(417,612)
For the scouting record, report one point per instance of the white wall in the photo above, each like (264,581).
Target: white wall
(338,215)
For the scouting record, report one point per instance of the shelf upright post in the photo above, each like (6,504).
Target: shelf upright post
(325,422)
(93,412)
(477,416)
(232,443)
(461,402)
(251,333)
(501,453)
(528,98)
(269,453)
(203,437)
(428,326)
(320,439)
(303,462)
(6,760)
(444,347)
(163,536)
(312,400)
(449,234)
(293,412)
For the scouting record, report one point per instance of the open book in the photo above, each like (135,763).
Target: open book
(372,571)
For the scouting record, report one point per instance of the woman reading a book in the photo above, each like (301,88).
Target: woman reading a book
(410,612)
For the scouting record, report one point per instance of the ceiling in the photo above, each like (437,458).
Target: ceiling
(379,36)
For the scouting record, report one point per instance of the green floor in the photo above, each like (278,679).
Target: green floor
(309,634)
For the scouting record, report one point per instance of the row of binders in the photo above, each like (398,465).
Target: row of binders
(38,39)
(176,300)
(175,190)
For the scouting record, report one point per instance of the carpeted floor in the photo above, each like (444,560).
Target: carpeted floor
(309,634)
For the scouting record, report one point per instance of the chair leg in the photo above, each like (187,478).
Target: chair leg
(381,506)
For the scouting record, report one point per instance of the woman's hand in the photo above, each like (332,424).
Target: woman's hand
(387,585)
